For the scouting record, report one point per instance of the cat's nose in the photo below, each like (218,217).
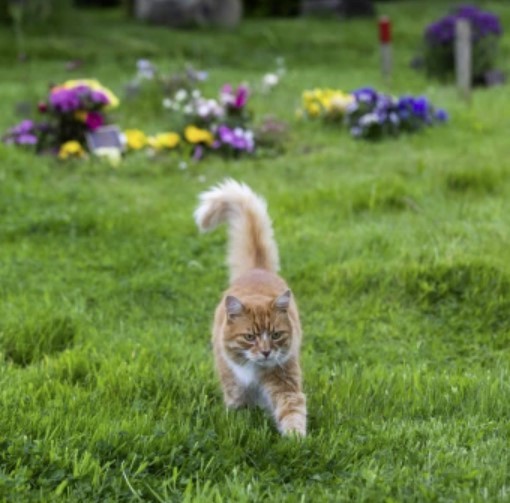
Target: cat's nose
(266,353)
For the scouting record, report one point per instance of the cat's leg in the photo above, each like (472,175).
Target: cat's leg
(288,404)
(234,395)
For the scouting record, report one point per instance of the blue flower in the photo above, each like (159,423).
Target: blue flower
(441,115)
(420,107)
(365,94)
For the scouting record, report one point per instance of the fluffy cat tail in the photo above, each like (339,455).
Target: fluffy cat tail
(251,241)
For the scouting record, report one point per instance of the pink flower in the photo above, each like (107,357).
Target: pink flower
(94,120)
(226,89)
(241,97)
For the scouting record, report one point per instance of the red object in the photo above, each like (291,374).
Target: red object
(384,30)
(42,107)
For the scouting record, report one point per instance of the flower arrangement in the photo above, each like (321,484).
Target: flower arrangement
(374,115)
(205,125)
(192,107)
(369,114)
(220,125)
(327,104)
(74,120)
(193,138)
(70,111)
(439,40)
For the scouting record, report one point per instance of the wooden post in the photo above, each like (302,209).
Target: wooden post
(386,49)
(463,57)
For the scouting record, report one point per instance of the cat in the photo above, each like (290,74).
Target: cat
(256,329)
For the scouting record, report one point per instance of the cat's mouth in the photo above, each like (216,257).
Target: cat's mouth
(266,362)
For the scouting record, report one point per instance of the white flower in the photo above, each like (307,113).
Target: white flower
(188,109)
(181,95)
(270,80)
(368,119)
(167,103)
(111,154)
(340,102)
(203,110)
(183,165)
(195,93)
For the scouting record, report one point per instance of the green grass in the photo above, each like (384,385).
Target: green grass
(397,252)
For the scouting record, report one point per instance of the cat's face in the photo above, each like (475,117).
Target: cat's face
(258,331)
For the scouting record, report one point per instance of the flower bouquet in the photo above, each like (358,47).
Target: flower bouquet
(214,125)
(71,110)
(373,115)
(439,40)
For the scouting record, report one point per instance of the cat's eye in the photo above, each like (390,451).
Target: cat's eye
(249,337)
(277,335)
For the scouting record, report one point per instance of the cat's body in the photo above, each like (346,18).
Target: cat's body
(256,330)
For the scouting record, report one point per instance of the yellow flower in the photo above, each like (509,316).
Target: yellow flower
(197,135)
(164,140)
(135,139)
(80,115)
(313,109)
(94,84)
(71,148)
(330,103)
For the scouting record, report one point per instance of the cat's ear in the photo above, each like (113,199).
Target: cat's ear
(283,301)
(233,306)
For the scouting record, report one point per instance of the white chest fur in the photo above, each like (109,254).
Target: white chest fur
(248,377)
(247,374)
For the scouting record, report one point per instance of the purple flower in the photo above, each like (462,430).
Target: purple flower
(441,115)
(146,70)
(226,89)
(420,107)
(226,134)
(237,139)
(94,120)
(99,98)
(483,23)
(26,139)
(24,127)
(22,134)
(198,153)
(241,97)
(65,100)
(365,94)
(81,89)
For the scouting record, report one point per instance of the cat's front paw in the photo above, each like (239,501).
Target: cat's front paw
(293,425)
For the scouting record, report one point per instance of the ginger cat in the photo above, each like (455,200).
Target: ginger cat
(256,330)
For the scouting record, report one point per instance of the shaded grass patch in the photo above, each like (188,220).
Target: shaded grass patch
(35,337)
(477,179)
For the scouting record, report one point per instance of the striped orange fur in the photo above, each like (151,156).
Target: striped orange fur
(256,329)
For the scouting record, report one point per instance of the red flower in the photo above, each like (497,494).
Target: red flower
(94,120)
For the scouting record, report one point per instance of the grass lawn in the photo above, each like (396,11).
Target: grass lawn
(398,253)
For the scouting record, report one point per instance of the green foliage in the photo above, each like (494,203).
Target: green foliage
(40,15)
(397,252)
(440,60)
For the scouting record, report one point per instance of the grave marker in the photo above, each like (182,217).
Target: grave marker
(386,48)
(463,57)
